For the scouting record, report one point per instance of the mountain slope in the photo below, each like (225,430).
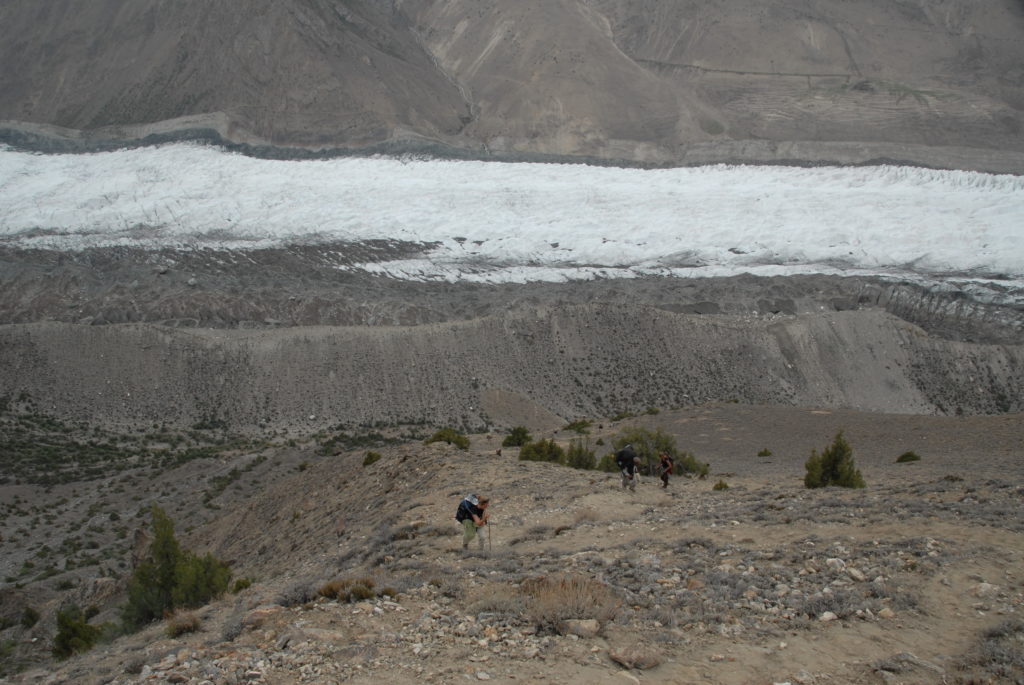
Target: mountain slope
(623,80)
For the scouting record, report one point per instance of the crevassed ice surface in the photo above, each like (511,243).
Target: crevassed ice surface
(502,222)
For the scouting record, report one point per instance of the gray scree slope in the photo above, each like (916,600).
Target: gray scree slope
(640,81)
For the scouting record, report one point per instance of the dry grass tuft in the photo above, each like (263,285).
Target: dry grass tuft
(182,623)
(556,598)
(587,515)
(349,589)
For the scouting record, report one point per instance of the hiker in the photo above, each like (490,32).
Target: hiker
(666,468)
(472,514)
(628,464)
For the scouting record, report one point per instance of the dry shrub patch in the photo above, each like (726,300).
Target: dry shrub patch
(349,589)
(997,657)
(182,623)
(556,598)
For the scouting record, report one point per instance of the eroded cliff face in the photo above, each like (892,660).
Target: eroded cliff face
(562,360)
(639,81)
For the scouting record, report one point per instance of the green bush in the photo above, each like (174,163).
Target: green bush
(765,453)
(835,466)
(198,579)
(580,426)
(450,436)
(720,485)
(370,458)
(171,577)
(908,457)
(240,584)
(542,450)
(29,617)
(74,634)
(517,437)
(579,455)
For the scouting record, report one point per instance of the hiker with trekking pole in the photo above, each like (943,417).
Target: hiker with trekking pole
(472,514)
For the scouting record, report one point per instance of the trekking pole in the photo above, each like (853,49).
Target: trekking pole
(490,537)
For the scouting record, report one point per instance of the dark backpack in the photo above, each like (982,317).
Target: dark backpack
(464,511)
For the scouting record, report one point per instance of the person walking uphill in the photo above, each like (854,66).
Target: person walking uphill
(666,468)
(472,514)
(627,462)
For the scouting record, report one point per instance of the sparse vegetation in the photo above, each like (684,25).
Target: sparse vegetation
(542,450)
(835,466)
(580,426)
(240,584)
(556,598)
(370,458)
(908,457)
(450,436)
(74,634)
(720,485)
(579,455)
(29,617)
(765,453)
(181,623)
(517,437)
(171,577)
(349,589)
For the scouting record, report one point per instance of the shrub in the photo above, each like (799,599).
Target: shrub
(765,453)
(907,457)
(171,577)
(182,623)
(350,589)
(720,485)
(580,426)
(198,579)
(450,436)
(580,456)
(29,617)
(240,584)
(835,466)
(553,599)
(74,635)
(517,437)
(542,450)
(370,458)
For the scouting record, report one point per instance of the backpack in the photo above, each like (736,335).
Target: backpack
(463,512)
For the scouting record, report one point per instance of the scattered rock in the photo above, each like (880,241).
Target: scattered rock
(585,628)
(638,657)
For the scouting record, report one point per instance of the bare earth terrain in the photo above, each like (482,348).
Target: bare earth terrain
(915,579)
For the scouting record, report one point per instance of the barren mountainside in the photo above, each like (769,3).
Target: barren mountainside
(936,83)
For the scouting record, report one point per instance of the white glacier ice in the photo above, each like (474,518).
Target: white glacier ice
(502,222)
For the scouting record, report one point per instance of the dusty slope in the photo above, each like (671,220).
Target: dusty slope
(726,587)
(935,83)
(569,361)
